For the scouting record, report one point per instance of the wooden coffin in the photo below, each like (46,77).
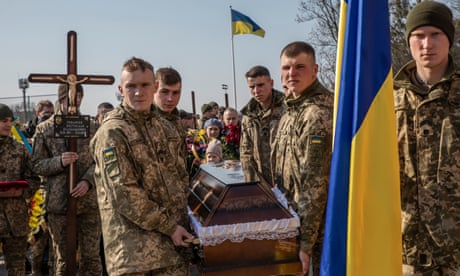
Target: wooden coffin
(243,227)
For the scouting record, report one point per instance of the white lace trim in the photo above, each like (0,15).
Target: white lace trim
(261,230)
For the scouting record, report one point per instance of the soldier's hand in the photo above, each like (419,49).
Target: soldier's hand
(179,235)
(81,189)
(305,260)
(68,158)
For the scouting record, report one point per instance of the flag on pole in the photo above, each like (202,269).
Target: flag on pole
(242,24)
(363,217)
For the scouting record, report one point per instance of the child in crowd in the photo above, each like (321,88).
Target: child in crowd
(214,151)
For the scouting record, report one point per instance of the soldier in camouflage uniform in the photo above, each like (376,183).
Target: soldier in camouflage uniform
(15,165)
(427,104)
(143,206)
(51,159)
(303,147)
(165,100)
(259,125)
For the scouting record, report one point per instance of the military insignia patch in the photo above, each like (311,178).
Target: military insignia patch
(111,162)
(109,155)
(316,140)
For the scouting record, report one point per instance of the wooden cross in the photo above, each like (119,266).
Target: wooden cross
(72,79)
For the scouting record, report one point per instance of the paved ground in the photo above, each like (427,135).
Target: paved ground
(193,271)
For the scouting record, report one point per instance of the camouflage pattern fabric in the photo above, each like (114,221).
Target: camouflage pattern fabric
(428,123)
(15,165)
(46,158)
(175,136)
(303,152)
(140,198)
(258,130)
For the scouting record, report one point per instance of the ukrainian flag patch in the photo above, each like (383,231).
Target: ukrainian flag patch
(109,155)
(316,139)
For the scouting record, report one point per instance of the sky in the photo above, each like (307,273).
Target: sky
(193,37)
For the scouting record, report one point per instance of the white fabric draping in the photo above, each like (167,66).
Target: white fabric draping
(269,229)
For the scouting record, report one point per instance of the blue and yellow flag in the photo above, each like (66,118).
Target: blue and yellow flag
(18,135)
(363,217)
(242,24)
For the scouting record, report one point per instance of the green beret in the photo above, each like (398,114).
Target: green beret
(430,13)
(5,112)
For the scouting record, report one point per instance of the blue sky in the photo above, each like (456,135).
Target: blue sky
(192,36)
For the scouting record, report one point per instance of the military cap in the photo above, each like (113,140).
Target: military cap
(5,112)
(431,13)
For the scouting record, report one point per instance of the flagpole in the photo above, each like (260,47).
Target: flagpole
(233,58)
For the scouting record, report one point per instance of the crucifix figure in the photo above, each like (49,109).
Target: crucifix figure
(72,79)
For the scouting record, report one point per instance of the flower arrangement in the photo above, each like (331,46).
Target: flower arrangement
(36,215)
(230,139)
(196,149)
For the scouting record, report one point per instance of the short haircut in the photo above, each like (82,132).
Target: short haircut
(42,104)
(295,48)
(106,105)
(230,109)
(168,75)
(258,71)
(135,63)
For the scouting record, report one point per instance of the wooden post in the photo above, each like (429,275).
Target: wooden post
(194,110)
(72,79)
(226,100)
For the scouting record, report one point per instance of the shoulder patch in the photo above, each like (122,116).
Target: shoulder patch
(109,155)
(111,162)
(316,139)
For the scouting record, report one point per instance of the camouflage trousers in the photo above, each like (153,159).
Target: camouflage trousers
(37,252)
(409,270)
(176,270)
(14,250)
(88,240)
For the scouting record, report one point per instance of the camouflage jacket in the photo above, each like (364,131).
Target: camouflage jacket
(140,194)
(428,124)
(303,151)
(175,137)
(258,130)
(46,159)
(15,165)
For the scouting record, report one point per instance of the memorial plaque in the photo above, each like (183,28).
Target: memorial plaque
(72,126)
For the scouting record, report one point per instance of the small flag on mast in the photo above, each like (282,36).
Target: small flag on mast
(242,24)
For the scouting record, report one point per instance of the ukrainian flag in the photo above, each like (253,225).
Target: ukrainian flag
(363,221)
(242,24)
(18,135)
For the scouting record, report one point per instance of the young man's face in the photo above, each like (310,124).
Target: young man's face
(429,47)
(261,89)
(5,126)
(137,89)
(298,73)
(167,96)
